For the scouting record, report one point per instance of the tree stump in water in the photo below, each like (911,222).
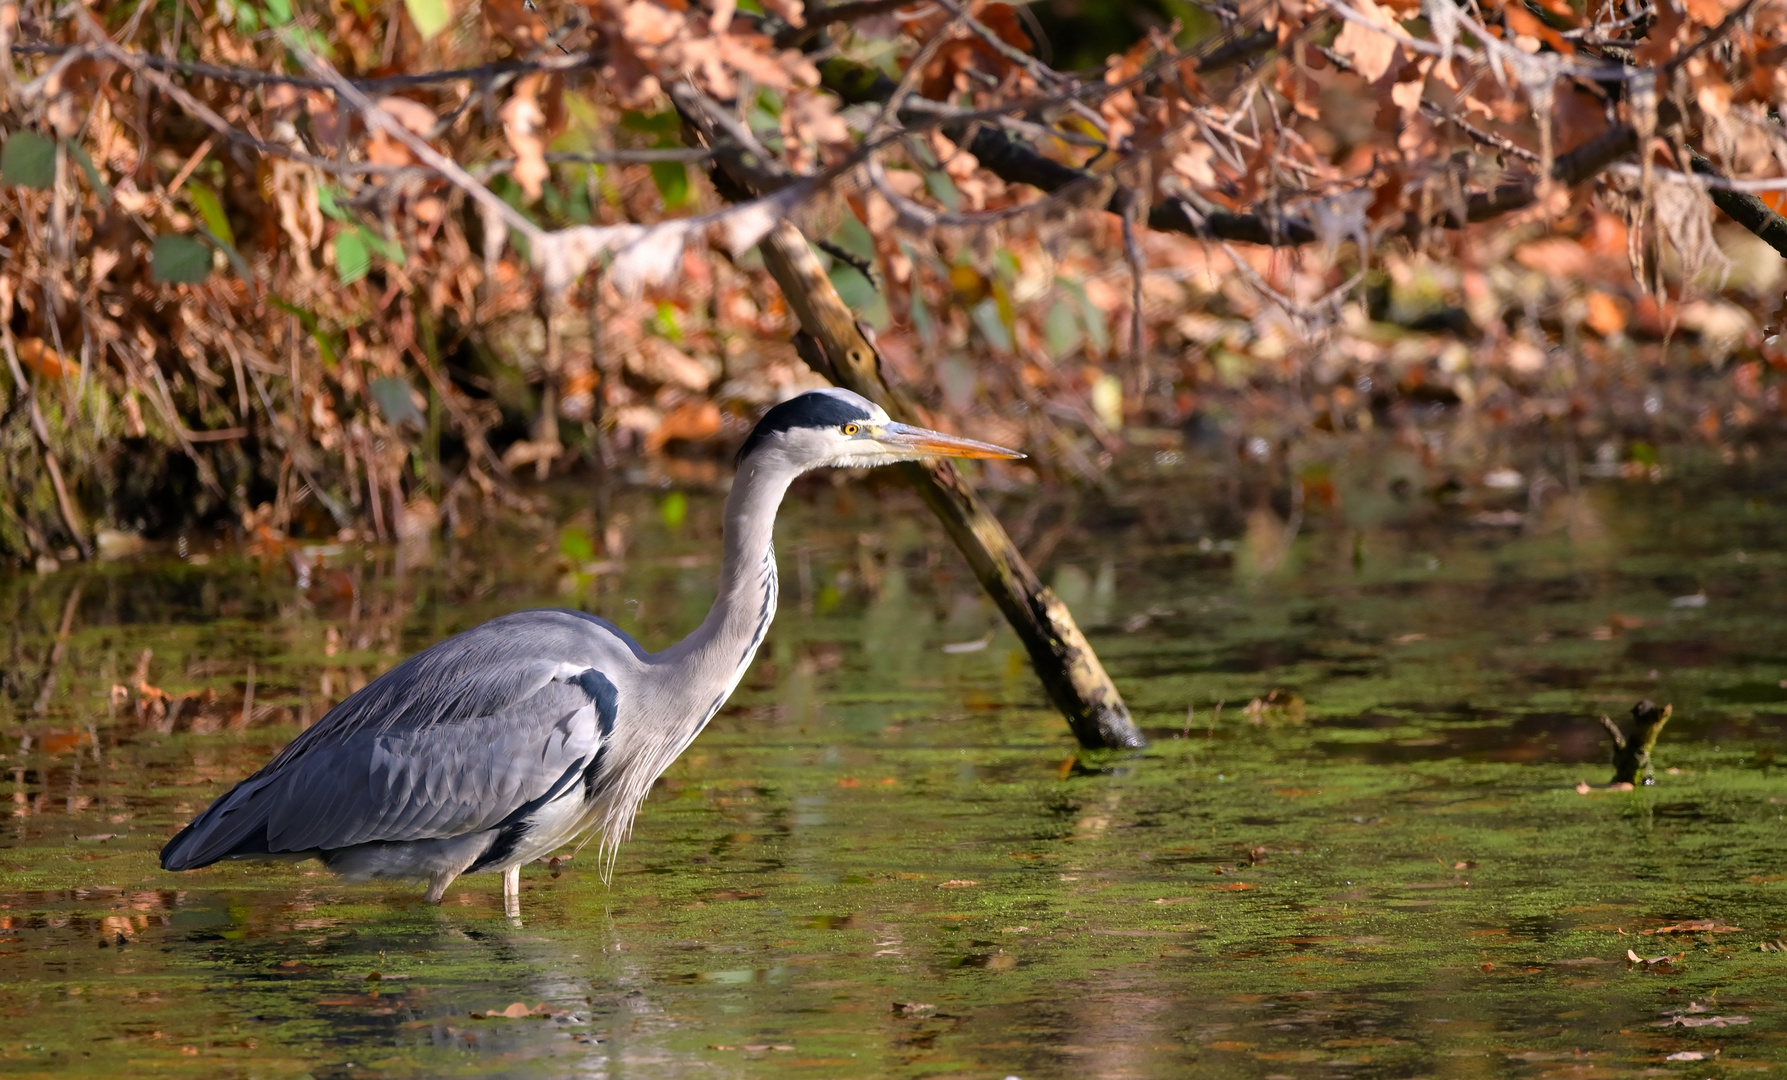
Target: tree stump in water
(1631,753)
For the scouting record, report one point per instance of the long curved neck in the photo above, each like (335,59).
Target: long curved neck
(713,658)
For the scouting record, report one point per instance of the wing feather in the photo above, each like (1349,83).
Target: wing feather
(453,740)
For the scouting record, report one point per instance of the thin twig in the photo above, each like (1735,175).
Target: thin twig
(449,169)
(256,77)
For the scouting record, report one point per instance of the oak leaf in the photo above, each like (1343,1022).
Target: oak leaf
(1371,48)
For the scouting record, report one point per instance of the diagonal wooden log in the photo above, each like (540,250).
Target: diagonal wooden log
(1746,209)
(835,346)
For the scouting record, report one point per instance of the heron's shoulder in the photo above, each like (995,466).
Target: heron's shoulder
(557,633)
(525,661)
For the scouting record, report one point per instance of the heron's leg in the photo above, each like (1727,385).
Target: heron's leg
(437,884)
(512,891)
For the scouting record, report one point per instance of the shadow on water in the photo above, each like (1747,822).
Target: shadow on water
(1355,848)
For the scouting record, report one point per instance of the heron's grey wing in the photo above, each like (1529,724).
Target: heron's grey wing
(460,738)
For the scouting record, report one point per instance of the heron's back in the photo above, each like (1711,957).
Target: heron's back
(476,734)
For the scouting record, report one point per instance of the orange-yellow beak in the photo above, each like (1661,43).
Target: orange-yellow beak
(923,442)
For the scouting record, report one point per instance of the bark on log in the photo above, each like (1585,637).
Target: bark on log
(835,346)
(1746,209)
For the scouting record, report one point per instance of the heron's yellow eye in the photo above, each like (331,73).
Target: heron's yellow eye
(850,429)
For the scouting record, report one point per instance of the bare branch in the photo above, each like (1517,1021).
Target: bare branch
(818,18)
(377,117)
(381,84)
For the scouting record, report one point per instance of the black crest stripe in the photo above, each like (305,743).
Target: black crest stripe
(813,409)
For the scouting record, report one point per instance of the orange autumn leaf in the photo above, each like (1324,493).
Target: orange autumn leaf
(523,122)
(1371,48)
(37,356)
(1606,314)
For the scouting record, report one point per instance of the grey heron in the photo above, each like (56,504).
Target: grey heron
(498,745)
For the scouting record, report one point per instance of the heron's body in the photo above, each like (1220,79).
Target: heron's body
(496,746)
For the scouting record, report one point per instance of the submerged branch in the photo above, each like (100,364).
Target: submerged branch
(1631,753)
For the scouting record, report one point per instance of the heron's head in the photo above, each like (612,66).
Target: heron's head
(837,427)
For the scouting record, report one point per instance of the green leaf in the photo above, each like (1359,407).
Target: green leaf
(325,341)
(944,190)
(856,291)
(99,186)
(383,246)
(921,319)
(675,510)
(352,260)
(279,12)
(986,319)
(1096,330)
(667,322)
(672,178)
(210,209)
(1061,329)
(664,123)
(235,258)
(29,159)
(306,317)
(179,260)
(325,201)
(576,545)
(430,16)
(392,396)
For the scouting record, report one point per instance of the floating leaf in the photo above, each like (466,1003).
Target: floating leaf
(179,260)
(430,16)
(29,159)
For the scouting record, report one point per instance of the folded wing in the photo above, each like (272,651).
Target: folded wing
(455,740)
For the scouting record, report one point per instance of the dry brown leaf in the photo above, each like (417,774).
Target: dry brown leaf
(1370,48)
(650,24)
(692,421)
(523,121)
(37,356)
(515,23)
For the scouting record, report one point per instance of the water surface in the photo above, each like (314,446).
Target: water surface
(885,858)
